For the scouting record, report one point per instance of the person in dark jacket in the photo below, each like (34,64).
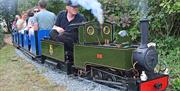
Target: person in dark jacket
(61,31)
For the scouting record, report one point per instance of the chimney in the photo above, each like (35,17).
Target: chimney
(144,33)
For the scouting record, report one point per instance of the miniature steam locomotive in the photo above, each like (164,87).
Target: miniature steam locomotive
(96,57)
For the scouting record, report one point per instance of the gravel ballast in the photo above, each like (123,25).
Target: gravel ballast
(71,83)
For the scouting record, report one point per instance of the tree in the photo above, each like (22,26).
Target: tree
(165,17)
(7,11)
(53,5)
(24,5)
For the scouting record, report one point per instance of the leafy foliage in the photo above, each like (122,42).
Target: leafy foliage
(1,37)
(176,84)
(119,10)
(56,6)
(24,5)
(169,54)
(53,5)
(164,16)
(7,11)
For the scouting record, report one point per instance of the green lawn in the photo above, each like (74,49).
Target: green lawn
(19,75)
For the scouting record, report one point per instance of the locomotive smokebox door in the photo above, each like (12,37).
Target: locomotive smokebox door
(146,57)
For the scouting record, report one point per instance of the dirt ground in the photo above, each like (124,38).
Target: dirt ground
(19,75)
(8,39)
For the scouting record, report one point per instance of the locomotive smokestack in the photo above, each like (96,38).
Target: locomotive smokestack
(145,57)
(144,33)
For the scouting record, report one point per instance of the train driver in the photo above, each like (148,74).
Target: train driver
(66,34)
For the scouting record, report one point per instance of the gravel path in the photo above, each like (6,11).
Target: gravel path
(60,78)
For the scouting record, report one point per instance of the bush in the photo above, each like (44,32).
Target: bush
(176,84)
(169,54)
(1,37)
(56,6)
(53,5)
(124,13)
(164,16)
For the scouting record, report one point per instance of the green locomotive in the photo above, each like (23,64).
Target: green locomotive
(96,56)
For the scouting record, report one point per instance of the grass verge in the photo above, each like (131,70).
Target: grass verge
(19,75)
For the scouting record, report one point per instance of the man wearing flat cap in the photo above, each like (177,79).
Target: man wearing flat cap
(66,34)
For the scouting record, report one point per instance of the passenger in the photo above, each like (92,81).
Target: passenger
(21,23)
(44,20)
(62,31)
(31,20)
(31,23)
(14,27)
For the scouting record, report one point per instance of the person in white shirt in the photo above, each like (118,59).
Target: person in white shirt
(21,23)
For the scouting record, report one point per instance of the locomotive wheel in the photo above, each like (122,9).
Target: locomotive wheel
(42,59)
(111,78)
(80,73)
(59,66)
(98,75)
